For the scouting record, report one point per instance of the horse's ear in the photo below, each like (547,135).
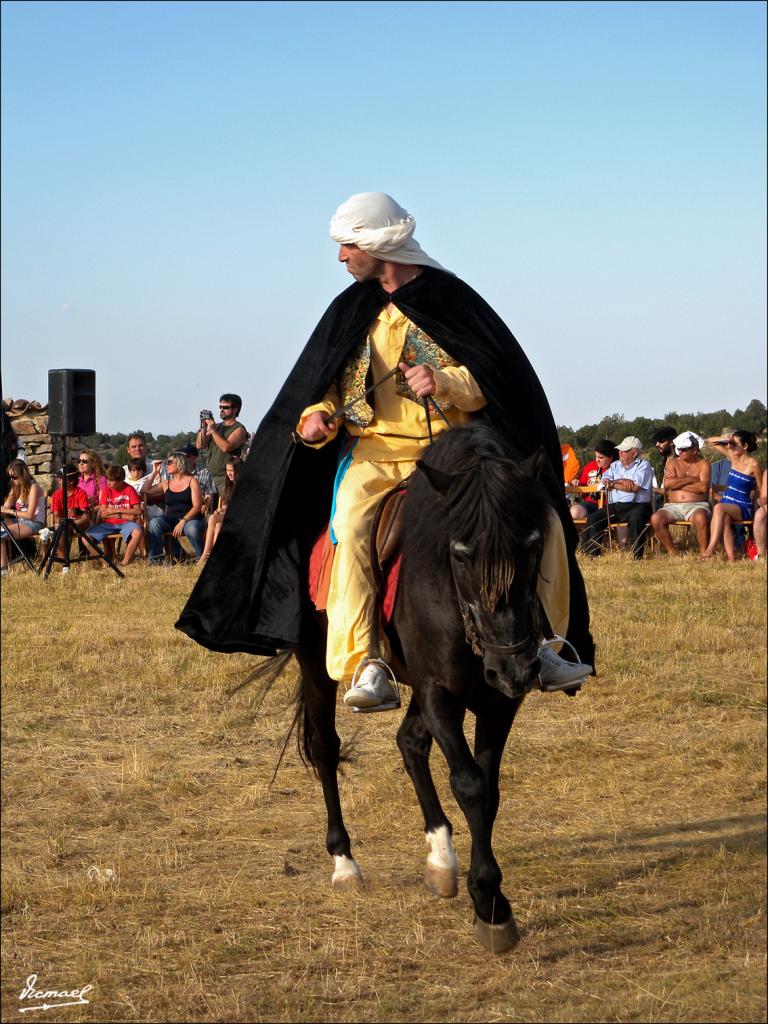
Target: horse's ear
(533,465)
(438,479)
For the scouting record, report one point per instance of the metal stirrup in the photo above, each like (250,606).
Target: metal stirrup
(375,661)
(561,640)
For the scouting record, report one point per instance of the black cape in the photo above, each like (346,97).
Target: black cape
(252,594)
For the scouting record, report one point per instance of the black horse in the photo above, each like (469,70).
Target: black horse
(465,634)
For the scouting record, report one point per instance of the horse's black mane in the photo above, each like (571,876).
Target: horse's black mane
(491,505)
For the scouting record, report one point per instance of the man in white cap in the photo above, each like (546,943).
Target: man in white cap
(406,316)
(629,487)
(686,485)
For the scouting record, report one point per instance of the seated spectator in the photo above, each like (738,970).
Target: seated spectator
(93,479)
(139,479)
(136,475)
(686,481)
(722,467)
(137,448)
(663,439)
(152,493)
(203,476)
(760,525)
(234,463)
(571,464)
(629,485)
(183,508)
(118,511)
(23,511)
(78,507)
(737,501)
(591,475)
(148,484)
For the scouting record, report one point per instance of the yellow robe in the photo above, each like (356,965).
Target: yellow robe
(380,461)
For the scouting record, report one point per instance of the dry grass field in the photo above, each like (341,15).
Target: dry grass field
(147,853)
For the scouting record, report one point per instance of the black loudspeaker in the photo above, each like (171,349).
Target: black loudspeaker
(72,402)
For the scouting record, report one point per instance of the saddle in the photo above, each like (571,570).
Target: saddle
(387,550)
(386,542)
(387,528)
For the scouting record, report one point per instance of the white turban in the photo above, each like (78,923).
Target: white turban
(375,223)
(684,440)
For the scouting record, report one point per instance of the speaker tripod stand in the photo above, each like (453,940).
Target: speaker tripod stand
(64,533)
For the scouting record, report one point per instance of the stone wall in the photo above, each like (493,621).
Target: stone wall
(43,453)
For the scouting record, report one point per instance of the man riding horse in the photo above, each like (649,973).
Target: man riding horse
(403,354)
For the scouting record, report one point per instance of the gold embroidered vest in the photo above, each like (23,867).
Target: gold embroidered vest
(418,348)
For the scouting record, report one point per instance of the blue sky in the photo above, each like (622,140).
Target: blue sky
(596,171)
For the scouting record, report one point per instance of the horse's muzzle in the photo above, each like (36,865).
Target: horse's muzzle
(513,674)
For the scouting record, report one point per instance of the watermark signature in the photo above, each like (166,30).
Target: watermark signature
(30,991)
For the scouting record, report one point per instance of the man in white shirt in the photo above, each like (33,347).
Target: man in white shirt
(629,487)
(146,486)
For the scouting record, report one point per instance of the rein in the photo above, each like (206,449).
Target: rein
(337,414)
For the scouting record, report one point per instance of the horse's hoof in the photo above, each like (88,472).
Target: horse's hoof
(347,883)
(497,938)
(346,876)
(441,881)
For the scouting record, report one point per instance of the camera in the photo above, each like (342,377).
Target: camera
(205,414)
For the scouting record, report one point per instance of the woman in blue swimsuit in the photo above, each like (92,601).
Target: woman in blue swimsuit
(737,501)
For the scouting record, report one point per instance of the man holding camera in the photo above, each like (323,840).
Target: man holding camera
(221,440)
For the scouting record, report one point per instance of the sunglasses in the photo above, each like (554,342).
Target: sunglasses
(83,462)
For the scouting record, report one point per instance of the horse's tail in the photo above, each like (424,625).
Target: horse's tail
(305,730)
(266,675)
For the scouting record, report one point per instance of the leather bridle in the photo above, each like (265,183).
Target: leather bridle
(473,634)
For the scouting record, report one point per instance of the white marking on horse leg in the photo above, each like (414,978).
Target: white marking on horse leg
(440,875)
(346,873)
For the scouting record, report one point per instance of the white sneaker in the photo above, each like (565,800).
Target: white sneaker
(66,571)
(558,674)
(372,691)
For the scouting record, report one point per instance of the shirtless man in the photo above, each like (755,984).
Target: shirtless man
(686,481)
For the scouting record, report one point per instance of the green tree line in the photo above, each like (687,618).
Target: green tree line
(707,424)
(615,426)
(158,447)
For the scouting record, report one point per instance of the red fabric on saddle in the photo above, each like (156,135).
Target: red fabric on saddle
(320,563)
(391,579)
